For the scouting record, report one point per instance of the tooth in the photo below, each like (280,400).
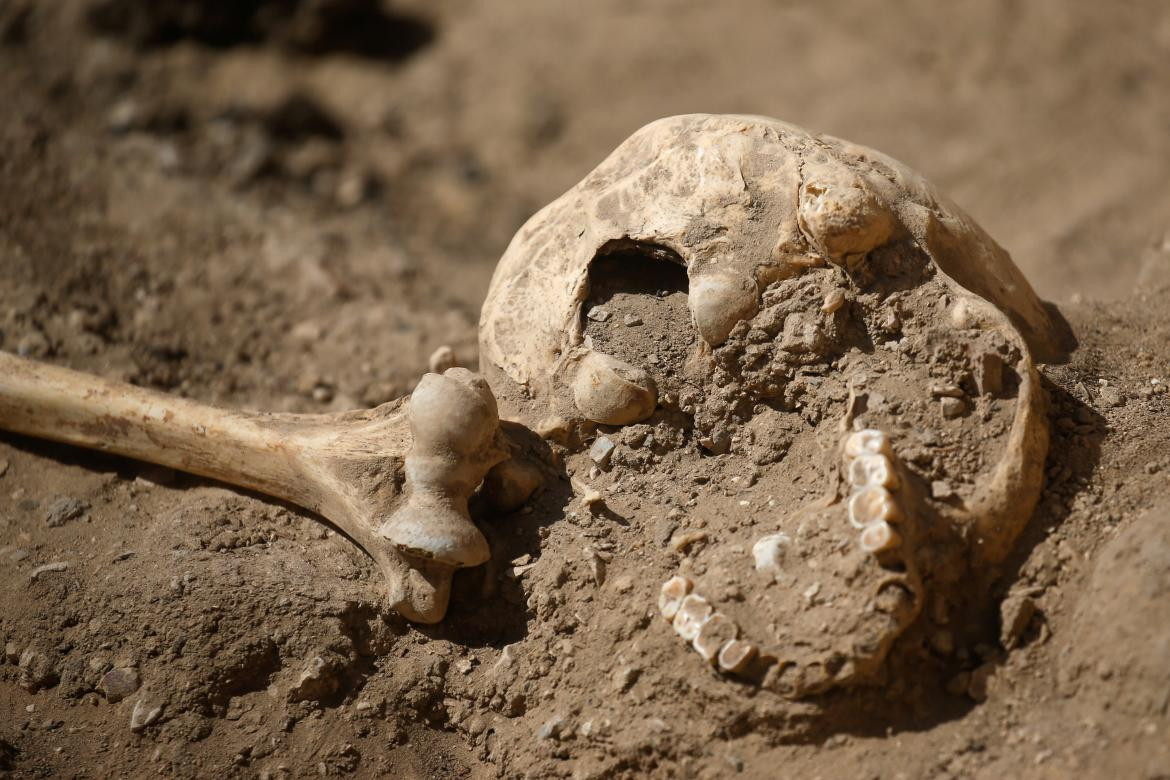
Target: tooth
(867,442)
(736,655)
(867,469)
(715,632)
(873,504)
(612,392)
(879,536)
(670,597)
(769,553)
(719,300)
(692,613)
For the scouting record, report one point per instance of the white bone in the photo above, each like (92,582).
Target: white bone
(692,613)
(768,553)
(446,438)
(867,469)
(671,595)
(715,632)
(873,504)
(736,655)
(612,392)
(879,536)
(867,442)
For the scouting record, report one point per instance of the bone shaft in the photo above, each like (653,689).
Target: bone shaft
(57,403)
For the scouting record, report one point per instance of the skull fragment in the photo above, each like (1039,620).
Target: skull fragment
(813,316)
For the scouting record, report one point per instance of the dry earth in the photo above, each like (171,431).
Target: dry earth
(288,205)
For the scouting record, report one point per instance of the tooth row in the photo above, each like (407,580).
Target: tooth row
(713,635)
(872,508)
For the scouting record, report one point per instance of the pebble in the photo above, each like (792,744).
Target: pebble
(552,728)
(442,359)
(598,314)
(36,670)
(63,510)
(1111,397)
(632,320)
(1016,613)
(12,653)
(3,467)
(601,451)
(941,490)
(833,301)
(952,407)
(119,683)
(146,711)
(48,567)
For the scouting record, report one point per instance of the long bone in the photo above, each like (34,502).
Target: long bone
(349,467)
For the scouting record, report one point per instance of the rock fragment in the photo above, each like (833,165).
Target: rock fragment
(1016,614)
(601,451)
(147,710)
(119,683)
(63,510)
(36,670)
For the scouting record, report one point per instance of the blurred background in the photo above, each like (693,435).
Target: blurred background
(191,186)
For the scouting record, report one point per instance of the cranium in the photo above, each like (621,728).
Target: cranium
(832,294)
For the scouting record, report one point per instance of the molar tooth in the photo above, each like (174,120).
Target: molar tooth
(736,655)
(873,504)
(612,392)
(715,632)
(868,469)
(867,442)
(692,613)
(879,536)
(673,592)
(719,300)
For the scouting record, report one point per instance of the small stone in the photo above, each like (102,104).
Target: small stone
(977,686)
(147,710)
(63,510)
(946,391)
(322,393)
(318,680)
(552,728)
(625,677)
(3,467)
(953,407)
(602,451)
(632,320)
(442,359)
(833,301)
(598,314)
(1111,397)
(119,683)
(12,653)
(1016,614)
(48,567)
(957,685)
(941,490)
(36,671)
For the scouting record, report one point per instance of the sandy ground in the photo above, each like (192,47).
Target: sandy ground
(271,212)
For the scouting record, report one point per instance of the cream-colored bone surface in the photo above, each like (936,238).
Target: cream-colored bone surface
(345,467)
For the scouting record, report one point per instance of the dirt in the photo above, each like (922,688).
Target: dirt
(254,206)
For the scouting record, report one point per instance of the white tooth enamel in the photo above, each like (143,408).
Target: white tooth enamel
(672,594)
(692,613)
(872,504)
(769,553)
(868,469)
(867,442)
(715,632)
(879,536)
(736,655)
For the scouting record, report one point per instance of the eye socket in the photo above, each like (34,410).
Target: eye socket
(636,309)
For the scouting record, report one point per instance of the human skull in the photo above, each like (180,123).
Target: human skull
(738,287)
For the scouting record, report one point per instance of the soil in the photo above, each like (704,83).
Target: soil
(289,205)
